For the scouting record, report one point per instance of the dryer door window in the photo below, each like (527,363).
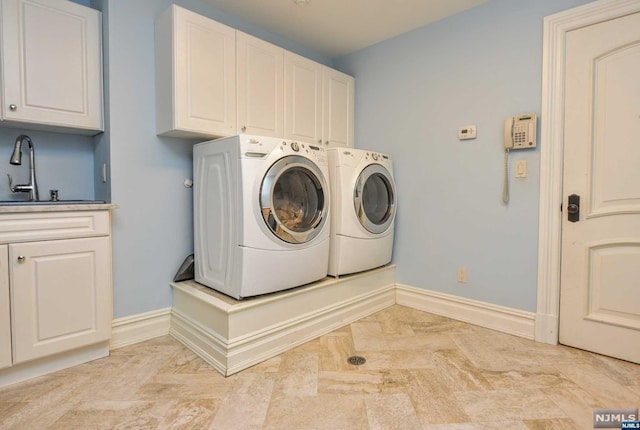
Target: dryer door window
(293,199)
(374,198)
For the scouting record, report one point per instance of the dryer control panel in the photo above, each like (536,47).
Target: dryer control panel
(349,157)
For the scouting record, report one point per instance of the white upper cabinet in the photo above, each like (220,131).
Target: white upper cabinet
(303,98)
(215,81)
(195,75)
(51,65)
(338,109)
(260,86)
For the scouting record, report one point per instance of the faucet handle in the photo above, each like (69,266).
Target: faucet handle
(13,190)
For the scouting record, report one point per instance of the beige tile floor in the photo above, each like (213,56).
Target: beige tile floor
(422,372)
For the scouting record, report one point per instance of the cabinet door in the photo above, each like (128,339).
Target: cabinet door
(195,75)
(5,323)
(303,98)
(337,118)
(260,86)
(52,64)
(61,295)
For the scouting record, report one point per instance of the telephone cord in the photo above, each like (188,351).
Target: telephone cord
(505,187)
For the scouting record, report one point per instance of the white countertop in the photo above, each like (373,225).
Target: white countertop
(26,208)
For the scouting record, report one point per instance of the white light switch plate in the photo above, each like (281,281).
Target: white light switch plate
(521,169)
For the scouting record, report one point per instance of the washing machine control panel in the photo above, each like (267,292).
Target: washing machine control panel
(315,153)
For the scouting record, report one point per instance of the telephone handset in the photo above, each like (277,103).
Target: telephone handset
(519,133)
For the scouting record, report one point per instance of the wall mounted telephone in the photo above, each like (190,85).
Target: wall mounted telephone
(519,133)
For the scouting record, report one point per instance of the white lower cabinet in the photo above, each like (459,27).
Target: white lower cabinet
(5,315)
(56,290)
(61,295)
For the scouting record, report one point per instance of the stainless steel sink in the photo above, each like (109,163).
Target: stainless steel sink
(49,202)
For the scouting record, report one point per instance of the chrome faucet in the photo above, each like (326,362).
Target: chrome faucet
(16,159)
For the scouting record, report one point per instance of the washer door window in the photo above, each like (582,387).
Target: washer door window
(374,198)
(292,199)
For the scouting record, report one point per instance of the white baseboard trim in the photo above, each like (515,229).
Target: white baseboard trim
(499,318)
(230,355)
(293,319)
(138,328)
(53,363)
(547,328)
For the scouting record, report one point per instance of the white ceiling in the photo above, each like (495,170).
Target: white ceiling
(338,27)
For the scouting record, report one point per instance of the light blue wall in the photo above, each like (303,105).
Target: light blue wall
(63,162)
(413,92)
(102,142)
(153,228)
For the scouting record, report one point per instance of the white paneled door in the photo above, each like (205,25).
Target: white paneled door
(600,280)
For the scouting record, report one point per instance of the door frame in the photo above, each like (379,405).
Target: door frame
(552,152)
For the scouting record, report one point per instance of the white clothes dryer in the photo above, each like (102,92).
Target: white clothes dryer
(363,205)
(261,211)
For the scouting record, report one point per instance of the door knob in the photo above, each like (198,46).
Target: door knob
(573,208)
(21,259)
(13,107)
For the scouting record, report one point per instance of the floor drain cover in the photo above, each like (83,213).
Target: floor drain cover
(356,360)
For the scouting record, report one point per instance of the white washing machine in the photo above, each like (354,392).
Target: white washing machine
(261,214)
(363,205)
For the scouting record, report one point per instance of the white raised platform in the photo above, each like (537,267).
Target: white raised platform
(233,335)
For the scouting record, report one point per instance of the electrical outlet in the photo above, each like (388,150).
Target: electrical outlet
(462,274)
